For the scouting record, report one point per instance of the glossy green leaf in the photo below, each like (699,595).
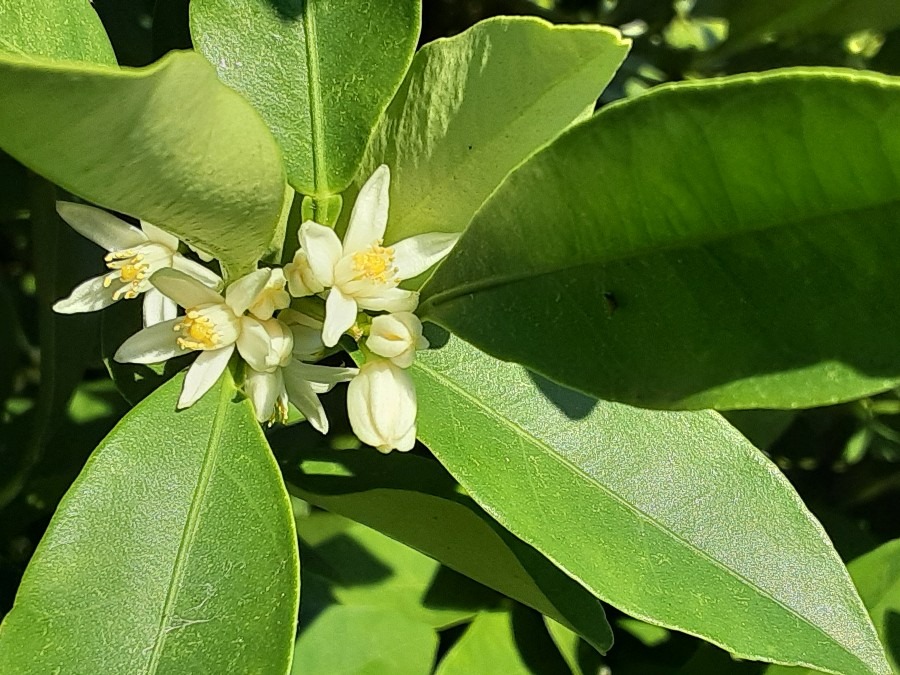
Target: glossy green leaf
(514,642)
(173,551)
(414,501)
(474,106)
(321,73)
(168,143)
(367,568)
(56,29)
(877,576)
(657,513)
(740,262)
(364,641)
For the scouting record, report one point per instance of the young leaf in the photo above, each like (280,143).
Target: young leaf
(168,143)
(672,517)
(723,244)
(56,29)
(474,106)
(320,73)
(414,501)
(375,640)
(174,550)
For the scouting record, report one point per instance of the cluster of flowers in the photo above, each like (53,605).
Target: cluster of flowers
(253,314)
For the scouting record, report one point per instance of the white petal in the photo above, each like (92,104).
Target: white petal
(159,236)
(368,220)
(102,228)
(390,300)
(263,390)
(158,308)
(254,343)
(184,289)
(340,314)
(243,292)
(203,374)
(302,395)
(87,296)
(323,250)
(151,345)
(417,254)
(204,275)
(326,376)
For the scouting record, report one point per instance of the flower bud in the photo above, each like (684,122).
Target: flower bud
(307,332)
(381,403)
(300,278)
(397,337)
(265,345)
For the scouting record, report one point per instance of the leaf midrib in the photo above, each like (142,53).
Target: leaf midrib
(316,114)
(491,282)
(189,532)
(550,452)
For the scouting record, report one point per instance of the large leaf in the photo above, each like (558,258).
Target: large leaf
(168,143)
(174,551)
(474,106)
(61,29)
(347,640)
(672,517)
(877,575)
(725,244)
(414,501)
(321,72)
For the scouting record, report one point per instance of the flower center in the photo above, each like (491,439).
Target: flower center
(376,263)
(130,269)
(133,267)
(197,332)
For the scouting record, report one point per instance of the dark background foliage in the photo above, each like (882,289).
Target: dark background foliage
(844,460)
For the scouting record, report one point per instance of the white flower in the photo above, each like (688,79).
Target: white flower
(381,403)
(276,376)
(134,256)
(361,273)
(397,337)
(299,383)
(212,325)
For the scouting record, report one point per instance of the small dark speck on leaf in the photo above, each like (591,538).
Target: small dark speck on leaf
(611,303)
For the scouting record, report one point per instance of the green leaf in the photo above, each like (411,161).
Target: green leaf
(414,501)
(877,576)
(174,550)
(321,73)
(56,29)
(514,642)
(676,498)
(474,106)
(364,641)
(742,262)
(168,143)
(367,568)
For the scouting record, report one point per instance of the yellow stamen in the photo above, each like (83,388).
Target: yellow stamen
(376,263)
(197,332)
(129,268)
